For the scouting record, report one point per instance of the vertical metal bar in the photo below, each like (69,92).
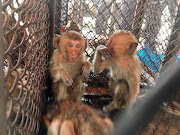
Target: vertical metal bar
(52,7)
(2,88)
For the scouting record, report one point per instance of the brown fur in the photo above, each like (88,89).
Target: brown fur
(64,72)
(75,118)
(124,68)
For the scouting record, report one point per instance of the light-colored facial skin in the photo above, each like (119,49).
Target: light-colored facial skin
(73,48)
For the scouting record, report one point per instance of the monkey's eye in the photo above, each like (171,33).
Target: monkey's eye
(69,45)
(78,45)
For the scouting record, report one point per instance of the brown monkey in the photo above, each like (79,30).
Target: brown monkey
(119,55)
(75,118)
(73,26)
(68,66)
(70,27)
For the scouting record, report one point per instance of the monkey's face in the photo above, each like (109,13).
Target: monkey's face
(73,49)
(71,45)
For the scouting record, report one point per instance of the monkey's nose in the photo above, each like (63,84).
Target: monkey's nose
(73,54)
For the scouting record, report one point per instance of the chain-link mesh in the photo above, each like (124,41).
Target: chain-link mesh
(156,26)
(25,36)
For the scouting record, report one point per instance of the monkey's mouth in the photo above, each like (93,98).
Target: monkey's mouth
(73,59)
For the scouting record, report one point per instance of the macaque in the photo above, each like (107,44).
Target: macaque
(119,55)
(73,26)
(75,118)
(16,86)
(70,27)
(68,66)
(15,81)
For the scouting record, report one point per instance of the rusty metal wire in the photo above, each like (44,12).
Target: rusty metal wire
(25,36)
(156,24)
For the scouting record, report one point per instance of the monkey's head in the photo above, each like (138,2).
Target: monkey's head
(122,43)
(71,45)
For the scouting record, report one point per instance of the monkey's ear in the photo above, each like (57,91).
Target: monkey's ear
(86,43)
(47,121)
(132,48)
(56,40)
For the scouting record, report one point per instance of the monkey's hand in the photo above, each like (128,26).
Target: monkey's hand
(66,78)
(105,52)
(85,71)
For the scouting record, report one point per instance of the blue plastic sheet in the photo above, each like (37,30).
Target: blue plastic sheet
(150,58)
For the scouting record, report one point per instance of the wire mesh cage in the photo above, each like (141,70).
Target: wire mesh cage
(26,37)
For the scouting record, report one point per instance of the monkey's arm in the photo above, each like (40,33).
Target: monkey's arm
(85,70)
(99,63)
(57,70)
(133,82)
(133,92)
(61,74)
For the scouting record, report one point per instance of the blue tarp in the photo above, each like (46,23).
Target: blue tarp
(178,58)
(150,58)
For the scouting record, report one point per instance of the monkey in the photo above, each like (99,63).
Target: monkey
(73,26)
(70,27)
(68,66)
(15,80)
(16,85)
(74,118)
(119,56)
